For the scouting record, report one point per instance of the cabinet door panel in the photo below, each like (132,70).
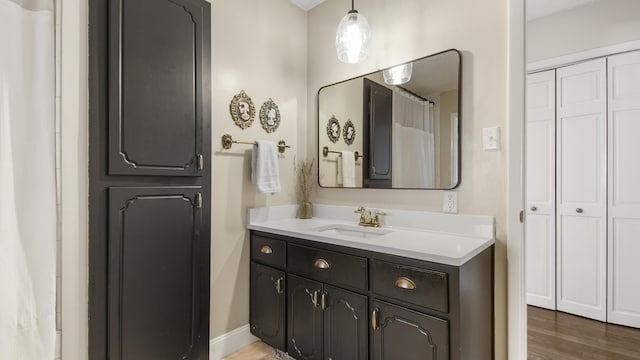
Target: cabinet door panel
(345,325)
(408,335)
(581,185)
(153,277)
(624,192)
(267,311)
(540,229)
(155,87)
(304,318)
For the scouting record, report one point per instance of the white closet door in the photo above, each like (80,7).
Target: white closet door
(581,186)
(624,189)
(540,229)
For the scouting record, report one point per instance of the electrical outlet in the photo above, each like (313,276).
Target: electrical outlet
(450,202)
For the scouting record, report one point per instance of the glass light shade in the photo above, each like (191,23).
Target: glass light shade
(398,75)
(353,38)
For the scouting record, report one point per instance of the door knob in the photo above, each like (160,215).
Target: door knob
(533,208)
(579,210)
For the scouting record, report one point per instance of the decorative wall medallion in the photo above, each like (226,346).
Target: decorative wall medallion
(242,110)
(349,132)
(269,116)
(333,129)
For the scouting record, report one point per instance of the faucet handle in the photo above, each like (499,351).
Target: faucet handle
(360,210)
(376,218)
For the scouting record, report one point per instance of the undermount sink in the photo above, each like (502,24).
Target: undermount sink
(352,231)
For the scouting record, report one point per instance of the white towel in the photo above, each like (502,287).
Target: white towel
(339,170)
(348,169)
(264,165)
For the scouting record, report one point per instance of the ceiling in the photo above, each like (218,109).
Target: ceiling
(307,5)
(535,8)
(541,8)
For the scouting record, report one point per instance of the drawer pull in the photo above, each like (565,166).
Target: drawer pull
(266,249)
(374,319)
(321,264)
(405,283)
(279,285)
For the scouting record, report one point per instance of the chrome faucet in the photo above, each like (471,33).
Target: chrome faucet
(366,219)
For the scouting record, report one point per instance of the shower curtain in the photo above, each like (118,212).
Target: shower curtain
(413,159)
(27,180)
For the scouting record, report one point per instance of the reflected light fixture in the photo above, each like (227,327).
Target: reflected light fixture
(398,75)
(353,37)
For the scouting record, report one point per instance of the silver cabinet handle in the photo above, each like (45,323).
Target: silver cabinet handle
(314,299)
(533,208)
(279,285)
(579,210)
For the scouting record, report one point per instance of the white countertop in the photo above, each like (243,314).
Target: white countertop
(442,238)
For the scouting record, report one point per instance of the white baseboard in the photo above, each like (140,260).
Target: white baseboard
(230,342)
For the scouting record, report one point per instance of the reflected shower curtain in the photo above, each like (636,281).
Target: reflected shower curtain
(27,180)
(413,159)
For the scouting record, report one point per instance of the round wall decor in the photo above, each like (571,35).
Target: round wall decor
(333,129)
(349,132)
(242,110)
(269,116)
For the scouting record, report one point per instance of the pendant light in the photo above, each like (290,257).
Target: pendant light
(398,75)
(353,37)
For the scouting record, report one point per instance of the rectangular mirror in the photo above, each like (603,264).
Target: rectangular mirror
(396,128)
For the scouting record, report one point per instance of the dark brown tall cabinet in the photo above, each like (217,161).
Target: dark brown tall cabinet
(377,127)
(150,179)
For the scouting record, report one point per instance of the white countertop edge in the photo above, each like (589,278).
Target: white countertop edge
(467,225)
(418,255)
(480,230)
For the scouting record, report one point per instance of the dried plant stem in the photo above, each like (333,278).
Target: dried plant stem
(306,183)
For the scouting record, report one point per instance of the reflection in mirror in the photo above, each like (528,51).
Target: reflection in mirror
(407,126)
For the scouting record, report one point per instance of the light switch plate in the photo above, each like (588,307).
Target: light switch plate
(491,138)
(450,202)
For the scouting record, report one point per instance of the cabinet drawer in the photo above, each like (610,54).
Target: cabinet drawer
(328,266)
(422,287)
(268,251)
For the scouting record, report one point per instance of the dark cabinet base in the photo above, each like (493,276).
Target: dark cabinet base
(408,335)
(267,310)
(395,308)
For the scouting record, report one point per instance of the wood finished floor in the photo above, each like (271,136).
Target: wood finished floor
(256,351)
(560,336)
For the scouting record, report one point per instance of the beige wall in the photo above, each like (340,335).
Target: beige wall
(344,101)
(259,47)
(409,29)
(592,26)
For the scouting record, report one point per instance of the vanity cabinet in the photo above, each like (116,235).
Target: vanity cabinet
(402,333)
(325,322)
(354,304)
(268,290)
(267,312)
